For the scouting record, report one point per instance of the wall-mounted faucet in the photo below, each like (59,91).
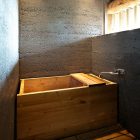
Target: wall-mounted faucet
(116,72)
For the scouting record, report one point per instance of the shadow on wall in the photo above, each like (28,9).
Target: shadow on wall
(37,61)
(8,91)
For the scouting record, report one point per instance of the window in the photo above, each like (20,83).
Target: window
(123,15)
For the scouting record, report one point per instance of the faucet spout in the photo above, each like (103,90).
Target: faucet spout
(111,73)
(117,72)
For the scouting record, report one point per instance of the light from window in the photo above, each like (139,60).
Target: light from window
(123,17)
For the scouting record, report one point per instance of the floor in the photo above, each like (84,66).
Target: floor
(121,135)
(111,133)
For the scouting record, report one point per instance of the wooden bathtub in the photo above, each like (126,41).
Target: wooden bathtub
(60,106)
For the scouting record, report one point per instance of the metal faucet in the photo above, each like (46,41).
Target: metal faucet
(116,72)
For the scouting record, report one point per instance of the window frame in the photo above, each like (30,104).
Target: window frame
(119,18)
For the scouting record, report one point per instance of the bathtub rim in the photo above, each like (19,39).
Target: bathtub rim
(21,92)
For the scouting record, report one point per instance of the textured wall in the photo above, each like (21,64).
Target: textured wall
(8,66)
(54,35)
(122,50)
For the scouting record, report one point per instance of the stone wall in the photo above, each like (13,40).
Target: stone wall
(55,36)
(9,70)
(121,50)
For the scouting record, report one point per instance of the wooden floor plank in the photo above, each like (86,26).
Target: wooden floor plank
(130,135)
(124,132)
(99,133)
(123,137)
(111,136)
(115,135)
(106,134)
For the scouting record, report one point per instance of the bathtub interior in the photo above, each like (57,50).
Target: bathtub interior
(50,83)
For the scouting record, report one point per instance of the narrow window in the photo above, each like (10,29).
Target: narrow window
(123,15)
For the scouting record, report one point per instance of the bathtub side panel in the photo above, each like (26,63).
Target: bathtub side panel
(64,113)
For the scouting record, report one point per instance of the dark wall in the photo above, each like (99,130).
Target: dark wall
(121,50)
(8,66)
(54,35)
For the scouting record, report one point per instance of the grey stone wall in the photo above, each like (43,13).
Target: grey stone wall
(8,67)
(121,50)
(55,36)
